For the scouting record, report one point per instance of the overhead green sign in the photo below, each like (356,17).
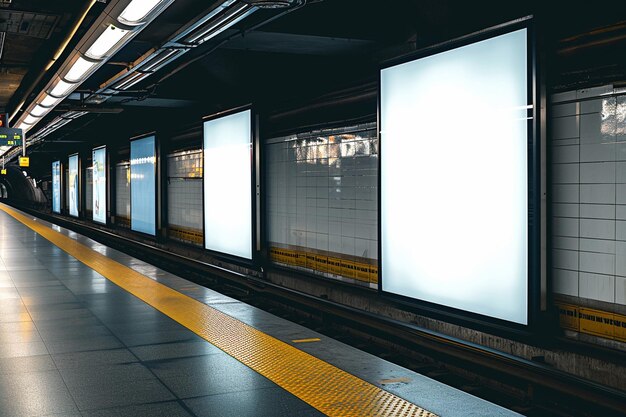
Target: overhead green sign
(10,136)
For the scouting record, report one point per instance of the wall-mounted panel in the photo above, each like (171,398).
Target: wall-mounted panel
(228,184)
(143,185)
(56,187)
(454,178)
(99,185)
(74,186)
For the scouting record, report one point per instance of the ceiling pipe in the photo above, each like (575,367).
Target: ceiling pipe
(83,14)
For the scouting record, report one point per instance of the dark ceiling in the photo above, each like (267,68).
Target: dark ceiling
(34,30)
(317,64)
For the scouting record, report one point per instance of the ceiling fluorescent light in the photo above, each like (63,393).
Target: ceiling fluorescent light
(220,23)
(39,111)
(3,36)
(79,70)
(137,10)
(130,81)
(106,42)
(31,120)
(160,60)
(49,101)
(23,126)
(61,89)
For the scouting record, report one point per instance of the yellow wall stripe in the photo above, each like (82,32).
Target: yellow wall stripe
(590,321)
(325,387)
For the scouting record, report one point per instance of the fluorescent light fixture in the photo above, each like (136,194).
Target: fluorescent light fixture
(137,10)
(131,81)
(31,120)
(160,60)
(50,101)
(221,23)
(79,70)
(39,111)
(23,126)
(2,38)
(106,42)
(61,89)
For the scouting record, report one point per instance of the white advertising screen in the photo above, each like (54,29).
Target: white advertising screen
(454,179)
(143,185)
(228,184)
(99,194)
(73,185)
(56,186)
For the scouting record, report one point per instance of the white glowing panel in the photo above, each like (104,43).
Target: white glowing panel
(228,184)
(99,194)
(73,185)
(50,101)
(143,185)
(56,187)
(137,10)
(79,70)
(106,42)
(62,89)
(454,209)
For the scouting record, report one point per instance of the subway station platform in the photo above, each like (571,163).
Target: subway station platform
(86,330)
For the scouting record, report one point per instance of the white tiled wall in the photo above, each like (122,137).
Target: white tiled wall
(588,141)
(322,191)
(184,202)
(122,190)
(89,190)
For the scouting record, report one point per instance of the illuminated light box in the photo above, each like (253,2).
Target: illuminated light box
(143,185)
(56,187)
(73,189)
(228,184)
(99,194)
(454,178)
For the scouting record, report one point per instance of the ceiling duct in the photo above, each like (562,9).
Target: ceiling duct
(274,4)
(121,21)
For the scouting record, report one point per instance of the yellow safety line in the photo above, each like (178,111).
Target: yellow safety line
(325,387)
(312,339)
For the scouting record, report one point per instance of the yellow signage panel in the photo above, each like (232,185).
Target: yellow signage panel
(24,161)
(3,172)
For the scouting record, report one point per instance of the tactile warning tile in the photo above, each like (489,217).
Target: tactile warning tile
(325,387)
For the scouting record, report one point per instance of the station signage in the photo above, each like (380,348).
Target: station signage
(10,136)
(24,161)
(3,172)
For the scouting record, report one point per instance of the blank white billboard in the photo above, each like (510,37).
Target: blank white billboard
(73,185)
(143,185)
(454,178)
(99,194)
(56,187)
(228,184)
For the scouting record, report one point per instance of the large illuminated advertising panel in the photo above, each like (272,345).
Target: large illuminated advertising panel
(56,187)
(74,188)
(228,184)
(143,185)
(455,178)
(99,194)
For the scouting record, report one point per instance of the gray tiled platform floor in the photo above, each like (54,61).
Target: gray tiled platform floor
(74,344)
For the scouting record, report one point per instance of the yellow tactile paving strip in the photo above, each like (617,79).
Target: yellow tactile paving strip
(325,387)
